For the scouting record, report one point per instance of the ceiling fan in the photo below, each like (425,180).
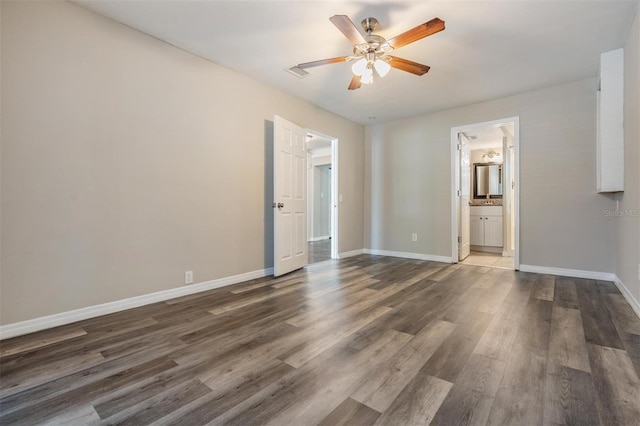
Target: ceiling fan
(373,51)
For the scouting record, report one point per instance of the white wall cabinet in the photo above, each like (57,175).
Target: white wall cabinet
(486,226)
(610,137)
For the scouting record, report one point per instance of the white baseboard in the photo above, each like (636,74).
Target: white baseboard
(326,237)
(55,320)
(577,273)
(350,253)
(406,255)
(635,305)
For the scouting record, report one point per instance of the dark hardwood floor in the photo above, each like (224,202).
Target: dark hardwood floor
(364,340)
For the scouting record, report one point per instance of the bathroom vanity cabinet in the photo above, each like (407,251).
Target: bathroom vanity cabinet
(486,226)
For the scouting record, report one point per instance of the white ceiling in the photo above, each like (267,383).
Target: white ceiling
(489,49)
(487,137)
(318,144)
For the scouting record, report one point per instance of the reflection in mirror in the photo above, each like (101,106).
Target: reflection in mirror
(487,178)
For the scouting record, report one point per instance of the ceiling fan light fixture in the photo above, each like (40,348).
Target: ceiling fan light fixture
(382,67)
(372,51)
(367,76)
(359,67)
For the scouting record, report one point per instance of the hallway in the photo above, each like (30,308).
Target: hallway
(319,251)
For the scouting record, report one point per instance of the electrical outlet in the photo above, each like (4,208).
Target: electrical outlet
(414,237)
(188,277)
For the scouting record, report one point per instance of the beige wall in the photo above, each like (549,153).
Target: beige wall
(627,227)
(126,161)
(563,225)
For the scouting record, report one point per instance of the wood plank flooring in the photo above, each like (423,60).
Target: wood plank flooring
(361,341)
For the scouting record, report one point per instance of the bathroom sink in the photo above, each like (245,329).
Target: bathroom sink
(484,204)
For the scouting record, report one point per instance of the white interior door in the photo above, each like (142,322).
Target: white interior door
(464,242)
(290,196)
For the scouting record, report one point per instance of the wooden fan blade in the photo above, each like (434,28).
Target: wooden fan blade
(323,62)
(355,83)
(408,66)
(348,28)
(421,31)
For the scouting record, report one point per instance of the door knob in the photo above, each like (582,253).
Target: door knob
(280,205)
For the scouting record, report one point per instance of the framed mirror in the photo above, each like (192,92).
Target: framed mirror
(487,180)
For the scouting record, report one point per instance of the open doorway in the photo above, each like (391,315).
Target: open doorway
(321,190)
(485,195)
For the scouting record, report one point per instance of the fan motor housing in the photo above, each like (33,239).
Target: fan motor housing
(374,43)
(369,24)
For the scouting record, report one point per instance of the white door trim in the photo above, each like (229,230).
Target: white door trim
(334,190)
(464,193)
(310,191)
(455,180)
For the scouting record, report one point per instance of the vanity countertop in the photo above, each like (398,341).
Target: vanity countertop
(486,209)
(485,203)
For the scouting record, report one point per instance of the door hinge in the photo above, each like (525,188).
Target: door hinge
(459,240)
(458,147)
(458,192)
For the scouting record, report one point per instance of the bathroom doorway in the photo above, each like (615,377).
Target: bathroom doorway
(485,202)
(321,205)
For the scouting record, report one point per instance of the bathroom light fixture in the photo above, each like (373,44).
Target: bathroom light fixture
(492,156)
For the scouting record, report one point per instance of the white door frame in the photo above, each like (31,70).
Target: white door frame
(310,190)
(464,193)
(334,190)
(455,180)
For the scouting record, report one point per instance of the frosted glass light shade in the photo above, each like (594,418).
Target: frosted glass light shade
(359,67)
(382,67)
(367,76)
